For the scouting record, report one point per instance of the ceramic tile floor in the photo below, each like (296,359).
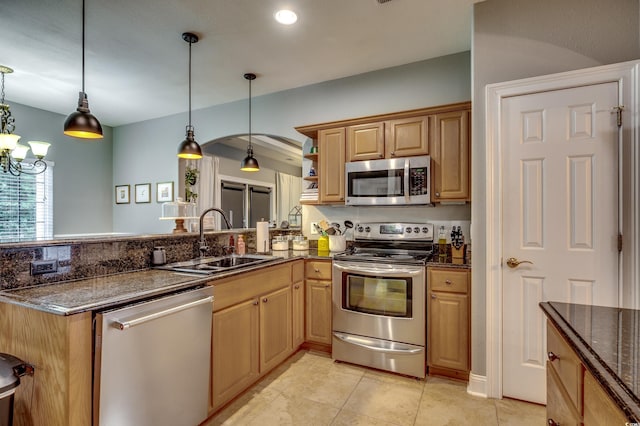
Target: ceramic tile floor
(311,389)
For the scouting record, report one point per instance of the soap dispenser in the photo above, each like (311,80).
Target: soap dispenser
(241,246)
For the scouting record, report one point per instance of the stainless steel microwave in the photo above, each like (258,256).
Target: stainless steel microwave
(396,181)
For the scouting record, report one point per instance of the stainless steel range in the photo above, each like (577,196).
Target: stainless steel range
(379,297)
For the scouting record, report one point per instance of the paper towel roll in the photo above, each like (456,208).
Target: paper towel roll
(262,237)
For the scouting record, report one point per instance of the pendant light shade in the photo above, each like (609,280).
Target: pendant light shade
(189,148)
(81,123)
(249,164)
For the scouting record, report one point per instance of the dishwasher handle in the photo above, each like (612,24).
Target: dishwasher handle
(124,325)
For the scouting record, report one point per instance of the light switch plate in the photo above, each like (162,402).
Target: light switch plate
(313,230)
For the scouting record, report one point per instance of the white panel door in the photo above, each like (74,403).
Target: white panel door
(560,210)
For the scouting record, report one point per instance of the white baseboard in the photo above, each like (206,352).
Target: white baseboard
(477,385)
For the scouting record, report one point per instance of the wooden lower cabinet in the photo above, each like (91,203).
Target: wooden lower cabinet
(235,343)
(318,302)
(448,324)
(252,329)
(318,311)
(59,347)
(574,397)
(297,295)
(275,328)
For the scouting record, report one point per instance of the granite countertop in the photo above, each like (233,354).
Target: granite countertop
(607,341)
(97,293)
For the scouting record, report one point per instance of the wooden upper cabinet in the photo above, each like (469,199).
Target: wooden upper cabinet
(450,157)
(407,137)
(331,159)
(365,142)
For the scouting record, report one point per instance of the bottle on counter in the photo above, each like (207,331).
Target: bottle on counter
(241,248)
(442,245)
(323,243)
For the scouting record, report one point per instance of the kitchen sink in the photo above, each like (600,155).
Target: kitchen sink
(212,265)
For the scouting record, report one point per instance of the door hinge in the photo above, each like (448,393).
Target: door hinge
(619,243)
(618,109)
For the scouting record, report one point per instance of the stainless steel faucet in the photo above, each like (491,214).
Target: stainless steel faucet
(203,242)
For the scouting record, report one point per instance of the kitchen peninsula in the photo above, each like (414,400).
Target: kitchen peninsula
(593,368)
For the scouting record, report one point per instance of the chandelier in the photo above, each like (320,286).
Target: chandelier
(11,152)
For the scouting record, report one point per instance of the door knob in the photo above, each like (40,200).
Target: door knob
(512,262)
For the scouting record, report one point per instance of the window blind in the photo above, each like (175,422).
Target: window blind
(26,206)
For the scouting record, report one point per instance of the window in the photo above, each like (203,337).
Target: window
(245,203)
(26,206)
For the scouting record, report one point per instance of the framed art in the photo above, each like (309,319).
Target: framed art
(143,193)
(122,194)
(164,192)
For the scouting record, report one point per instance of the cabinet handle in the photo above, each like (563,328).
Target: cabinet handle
(392,153)
(255,302)
(327,285)
(380,156)
(437,194)
(297,286)
(448,282)
(433,296)
(265,300)
(552,357)
(552,422)
(316,270)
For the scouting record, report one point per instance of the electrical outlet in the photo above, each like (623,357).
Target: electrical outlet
(48,266)
(313,230)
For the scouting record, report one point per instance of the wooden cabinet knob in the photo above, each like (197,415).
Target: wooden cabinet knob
(552,357)
(316,270)
(392,153)
(437,194)
(327,285)
(297,286)
(433,296)
(448,282)
(255,302)
(265,300)
(552,422)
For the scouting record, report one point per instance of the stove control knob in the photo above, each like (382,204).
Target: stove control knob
(408,230)
(367,229)
(416,230)
(360,229)
(425,230)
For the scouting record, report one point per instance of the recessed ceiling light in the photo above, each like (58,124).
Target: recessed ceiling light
(286,17)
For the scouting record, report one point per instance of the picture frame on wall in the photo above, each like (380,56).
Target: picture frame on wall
(122,194)
(164,192)
(143,193)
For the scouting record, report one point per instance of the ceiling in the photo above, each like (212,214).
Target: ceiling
(137,62)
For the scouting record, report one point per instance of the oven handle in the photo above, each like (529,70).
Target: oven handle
(396,348)
(370,268)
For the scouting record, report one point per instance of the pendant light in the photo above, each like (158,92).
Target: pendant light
(189,148)
(249,164)
(81,123)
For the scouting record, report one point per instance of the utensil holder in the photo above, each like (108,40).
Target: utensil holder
(337,243)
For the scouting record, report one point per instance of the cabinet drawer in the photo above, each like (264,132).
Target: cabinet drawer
(449,280)
(566,365)
(318,269)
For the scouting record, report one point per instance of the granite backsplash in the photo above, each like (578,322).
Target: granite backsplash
(85,258)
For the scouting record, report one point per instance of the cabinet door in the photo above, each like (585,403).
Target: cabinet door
(448,343)
(297,290)
(275,328)
(560,408)
(331,157)
(450,157)
(407,137)
(599,408)
(297,295)
(234,354)
(365,142)
(318,311)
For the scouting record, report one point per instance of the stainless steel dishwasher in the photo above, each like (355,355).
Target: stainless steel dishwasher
(152,361)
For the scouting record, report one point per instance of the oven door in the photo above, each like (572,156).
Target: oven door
(383,301)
